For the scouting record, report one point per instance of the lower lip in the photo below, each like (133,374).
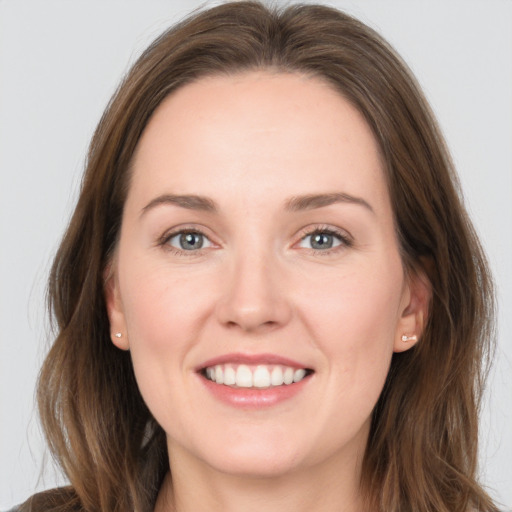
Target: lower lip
(254,398)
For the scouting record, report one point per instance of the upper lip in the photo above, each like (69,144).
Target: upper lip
(251,359)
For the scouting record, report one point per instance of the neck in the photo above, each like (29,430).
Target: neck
(327,487)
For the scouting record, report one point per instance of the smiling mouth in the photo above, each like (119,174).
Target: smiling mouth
(254,376)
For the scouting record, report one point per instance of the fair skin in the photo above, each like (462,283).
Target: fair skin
(288,259)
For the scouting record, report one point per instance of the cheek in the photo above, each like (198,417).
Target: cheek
(163,308)
(164,315)
(164,312)
(354,325)
(356,309)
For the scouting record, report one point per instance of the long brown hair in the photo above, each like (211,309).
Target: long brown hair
(422,449)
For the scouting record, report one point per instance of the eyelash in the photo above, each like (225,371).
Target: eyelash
(164,240)
(345,240)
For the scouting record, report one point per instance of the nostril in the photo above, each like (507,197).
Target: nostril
(251,321)
(252,300)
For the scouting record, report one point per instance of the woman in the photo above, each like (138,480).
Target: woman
(269,293)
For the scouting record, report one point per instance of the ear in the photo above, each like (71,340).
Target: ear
(118,333)
(414,311)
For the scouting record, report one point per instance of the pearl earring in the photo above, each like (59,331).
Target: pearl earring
(118,335)
(406,338)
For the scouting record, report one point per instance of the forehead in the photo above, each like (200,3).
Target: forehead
(287,133)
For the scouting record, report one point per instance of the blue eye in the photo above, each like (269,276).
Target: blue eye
(322,240)
(189,241)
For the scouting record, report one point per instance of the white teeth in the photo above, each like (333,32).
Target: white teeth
(276,377)
(261,376)
(219,374)
(229,376)
(244,376)
(288,375)
(299,375)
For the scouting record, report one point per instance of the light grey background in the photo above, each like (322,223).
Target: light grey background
(59,63)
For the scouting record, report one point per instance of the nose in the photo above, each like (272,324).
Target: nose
(254,297)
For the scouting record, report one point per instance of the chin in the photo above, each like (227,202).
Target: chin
(257,452)
(257,465)
(277,455)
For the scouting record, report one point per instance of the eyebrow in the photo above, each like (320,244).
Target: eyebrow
(313,201)
(294,204)
(189,202)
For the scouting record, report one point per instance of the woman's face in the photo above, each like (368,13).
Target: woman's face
(257,247)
